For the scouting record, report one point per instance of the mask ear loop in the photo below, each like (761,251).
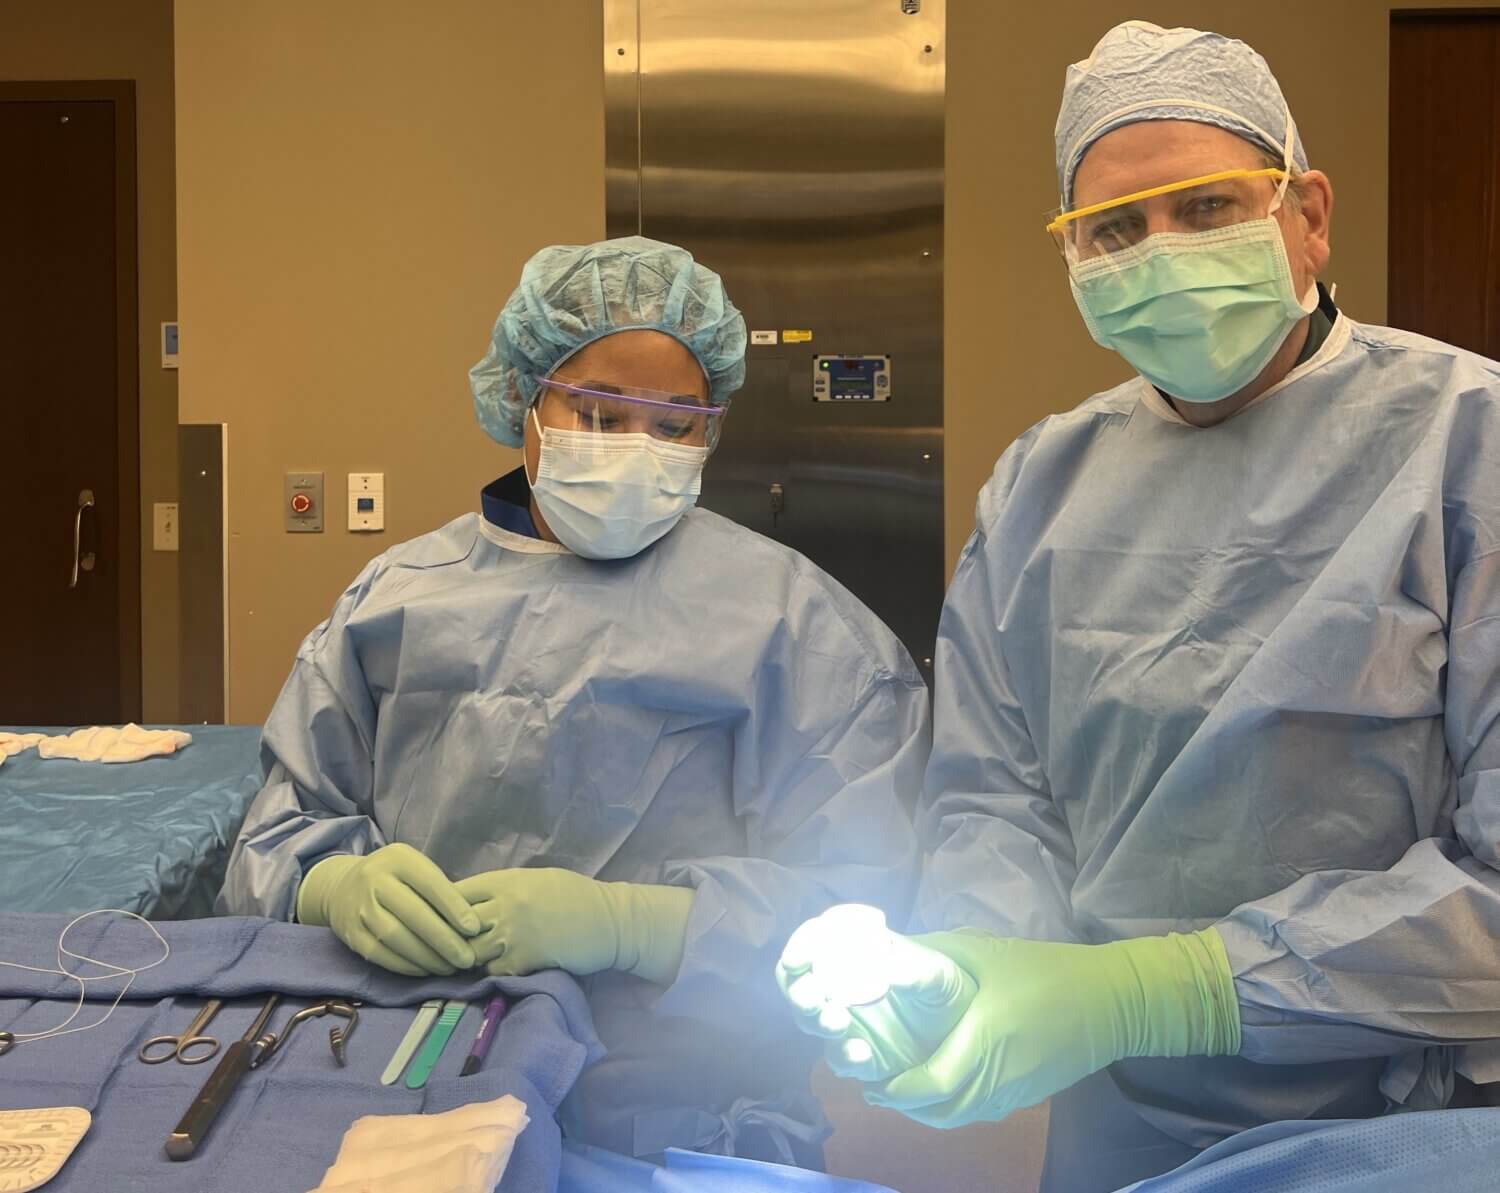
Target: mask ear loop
(531,414)
(1286,166)
(1309,301)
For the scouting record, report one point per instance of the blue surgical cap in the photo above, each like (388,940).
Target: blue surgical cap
(1140,71)
(571,295)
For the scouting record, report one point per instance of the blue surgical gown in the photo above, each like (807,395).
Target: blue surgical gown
(715,712)
(1247,676)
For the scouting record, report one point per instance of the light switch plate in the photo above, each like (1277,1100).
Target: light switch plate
(164,526)
(366,501)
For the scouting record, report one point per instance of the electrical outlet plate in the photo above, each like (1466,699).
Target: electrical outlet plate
(164,526)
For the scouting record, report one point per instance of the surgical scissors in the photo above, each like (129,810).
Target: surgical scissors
(178,1047)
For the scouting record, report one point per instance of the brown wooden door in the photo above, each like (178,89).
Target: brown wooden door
(69,650)
(1444,265)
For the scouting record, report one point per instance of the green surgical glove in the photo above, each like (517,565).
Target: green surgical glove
(393,907)
(1047,1015)
(556,919)
(913,997)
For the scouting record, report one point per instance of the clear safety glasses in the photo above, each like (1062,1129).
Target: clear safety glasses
(623,409)
(1201,204)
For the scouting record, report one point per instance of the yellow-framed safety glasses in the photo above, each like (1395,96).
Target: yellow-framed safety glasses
(1199,204)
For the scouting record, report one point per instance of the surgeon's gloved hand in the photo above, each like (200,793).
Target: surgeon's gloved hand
(881,1000)
(394,907)
(555,919)
(1047,1015)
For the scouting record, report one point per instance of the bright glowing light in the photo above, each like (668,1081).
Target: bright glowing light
(853,956)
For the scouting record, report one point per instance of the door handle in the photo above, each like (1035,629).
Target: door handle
(85,561)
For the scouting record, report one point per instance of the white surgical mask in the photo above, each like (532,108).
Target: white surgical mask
(609,496)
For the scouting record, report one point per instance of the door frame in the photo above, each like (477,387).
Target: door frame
(121,94)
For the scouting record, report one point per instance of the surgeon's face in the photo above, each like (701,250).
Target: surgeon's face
(625,361)
(1152,153)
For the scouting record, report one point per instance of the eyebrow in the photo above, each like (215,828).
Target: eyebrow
(601,386)
(608,388)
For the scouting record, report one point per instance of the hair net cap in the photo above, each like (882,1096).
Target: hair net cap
(1140,71)
(571,295)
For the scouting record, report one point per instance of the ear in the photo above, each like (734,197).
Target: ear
(1316,194)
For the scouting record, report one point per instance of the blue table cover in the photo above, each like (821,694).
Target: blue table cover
(282,1129)
(592,1170)
(1451,1151)
(151,837)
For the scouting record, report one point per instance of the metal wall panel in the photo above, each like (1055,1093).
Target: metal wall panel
(797,149)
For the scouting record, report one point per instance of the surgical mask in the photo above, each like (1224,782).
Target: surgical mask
(610,496)
(1198,314)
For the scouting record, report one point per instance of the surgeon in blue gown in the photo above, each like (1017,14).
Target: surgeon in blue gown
(1213,810)
(597,728)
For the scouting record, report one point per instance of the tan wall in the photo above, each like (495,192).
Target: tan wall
(360,183)
(105,39)
(1015,347)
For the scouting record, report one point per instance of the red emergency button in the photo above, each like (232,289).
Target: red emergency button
(301,503)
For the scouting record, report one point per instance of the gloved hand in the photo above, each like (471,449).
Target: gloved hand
(913,996)
(556,919)
(1047,1015)
(393,907)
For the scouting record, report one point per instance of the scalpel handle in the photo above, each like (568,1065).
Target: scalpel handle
(211,1099)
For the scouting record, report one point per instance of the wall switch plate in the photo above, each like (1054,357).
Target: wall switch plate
(164,526)
(366,501)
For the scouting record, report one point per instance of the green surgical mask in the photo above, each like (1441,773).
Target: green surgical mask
(1198,314)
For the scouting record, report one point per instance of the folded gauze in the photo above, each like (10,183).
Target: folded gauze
(460,1151)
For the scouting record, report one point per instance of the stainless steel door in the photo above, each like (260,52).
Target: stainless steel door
(797,149)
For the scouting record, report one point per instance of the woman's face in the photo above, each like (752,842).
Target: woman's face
(623,362)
